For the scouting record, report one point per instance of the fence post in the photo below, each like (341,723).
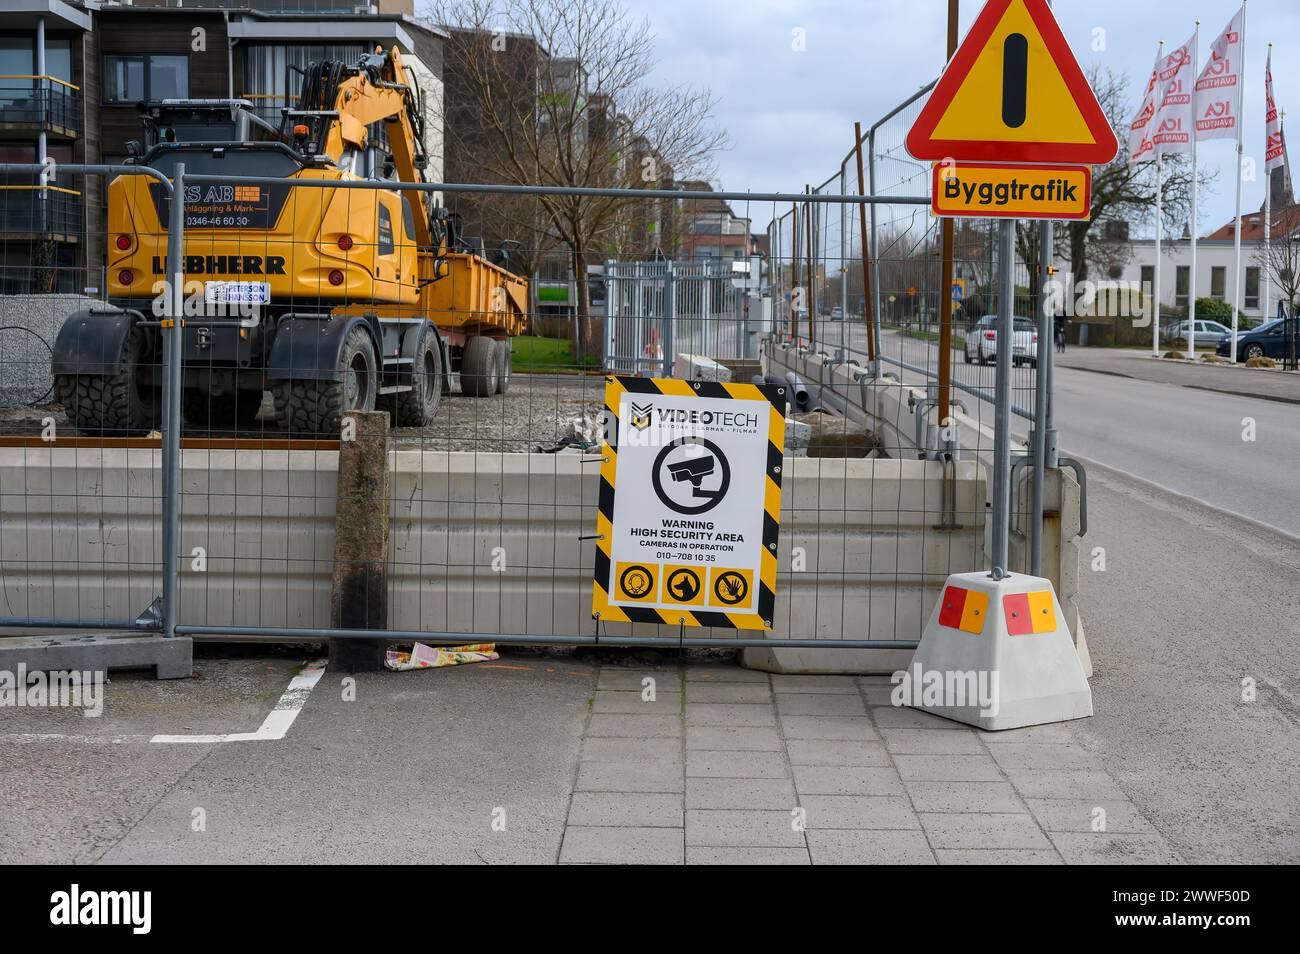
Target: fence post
(610,312)
(706,287)
(1041,378)
(1002,415)
(670,319)
(173,329)
(874,330)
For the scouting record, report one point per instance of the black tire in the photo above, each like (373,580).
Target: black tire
(503,366)
(1252,351)
(417,407)
(316,408)
(478,367)
(121,404)
(220,411)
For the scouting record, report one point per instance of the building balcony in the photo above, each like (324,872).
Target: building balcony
(33,213)
(283,6)
(39,104)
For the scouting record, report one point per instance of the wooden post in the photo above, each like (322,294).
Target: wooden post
(359,598)
(867,302)
(812,275)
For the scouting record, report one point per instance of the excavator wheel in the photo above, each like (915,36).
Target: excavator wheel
(503,366)
(478,367)
(316,408)
(122,404)
(416,407)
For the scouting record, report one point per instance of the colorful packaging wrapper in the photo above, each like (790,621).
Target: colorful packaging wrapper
(436,657)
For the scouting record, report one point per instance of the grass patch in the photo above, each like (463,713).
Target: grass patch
(958,341)
(548,354)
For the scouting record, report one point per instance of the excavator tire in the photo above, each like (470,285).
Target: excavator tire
(503,366)
(478,367)
(119,404)
(416,407)
(316,408)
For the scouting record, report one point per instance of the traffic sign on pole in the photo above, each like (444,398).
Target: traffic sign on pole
(1013,92)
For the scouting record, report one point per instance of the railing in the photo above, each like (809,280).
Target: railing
(46,209)
(40,100)
(268,6)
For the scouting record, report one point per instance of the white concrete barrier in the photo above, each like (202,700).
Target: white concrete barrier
(899,413)
(486,544)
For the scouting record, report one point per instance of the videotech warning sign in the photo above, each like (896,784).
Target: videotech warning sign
(986,190)
(690,503)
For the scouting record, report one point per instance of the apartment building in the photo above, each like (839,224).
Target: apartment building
(76,71)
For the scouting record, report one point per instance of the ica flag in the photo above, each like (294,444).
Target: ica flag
(1174,81)
(1273,149)
(1218,88)
(1140,130)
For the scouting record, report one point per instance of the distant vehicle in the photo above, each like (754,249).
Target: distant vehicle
(1266,341)
(982,341)
(837,313)
(1205,331)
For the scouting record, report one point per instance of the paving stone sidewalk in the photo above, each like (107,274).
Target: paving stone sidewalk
(726,765)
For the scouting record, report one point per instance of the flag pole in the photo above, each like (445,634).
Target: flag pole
(1155,321)
(1191,283)
(1268,206)
(1160,227)
(1236,239)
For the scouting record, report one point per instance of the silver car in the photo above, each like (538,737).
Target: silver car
(982,341)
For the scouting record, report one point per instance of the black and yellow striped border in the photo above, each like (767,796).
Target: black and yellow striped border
(601,608)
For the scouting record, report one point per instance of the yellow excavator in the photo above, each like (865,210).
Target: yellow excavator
(332,299)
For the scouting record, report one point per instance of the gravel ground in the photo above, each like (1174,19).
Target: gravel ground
(539,410)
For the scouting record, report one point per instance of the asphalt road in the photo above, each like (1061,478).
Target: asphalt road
(1235,451)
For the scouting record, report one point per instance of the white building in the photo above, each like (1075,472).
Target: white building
(1215,259)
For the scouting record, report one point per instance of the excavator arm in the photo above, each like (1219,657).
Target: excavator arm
(351,98)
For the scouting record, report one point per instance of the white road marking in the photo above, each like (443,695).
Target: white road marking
(276,724)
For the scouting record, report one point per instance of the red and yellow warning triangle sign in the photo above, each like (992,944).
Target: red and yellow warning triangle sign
(1013,92)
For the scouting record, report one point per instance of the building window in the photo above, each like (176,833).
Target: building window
(1148,279)
(273,73)
(1218,278)
(146,77)
(1252,287)
(1182,282)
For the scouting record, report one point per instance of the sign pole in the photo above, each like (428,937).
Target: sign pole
(945,282)
(1002,396)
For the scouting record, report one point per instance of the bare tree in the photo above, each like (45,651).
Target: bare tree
(1281,261)
(587,115)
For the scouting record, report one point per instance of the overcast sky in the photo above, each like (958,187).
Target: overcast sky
(790,114)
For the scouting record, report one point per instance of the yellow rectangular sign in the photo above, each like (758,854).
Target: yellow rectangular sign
(989,190)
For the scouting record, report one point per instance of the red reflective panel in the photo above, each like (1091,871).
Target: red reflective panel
(954,600)
(1016,608)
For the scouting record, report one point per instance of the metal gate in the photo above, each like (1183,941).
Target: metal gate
(657,310)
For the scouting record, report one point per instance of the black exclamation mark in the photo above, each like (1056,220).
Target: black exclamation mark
(1015,79)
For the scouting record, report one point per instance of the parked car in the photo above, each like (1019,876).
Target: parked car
(1206,331)
(982,341)
(1266,341)
(837,313)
